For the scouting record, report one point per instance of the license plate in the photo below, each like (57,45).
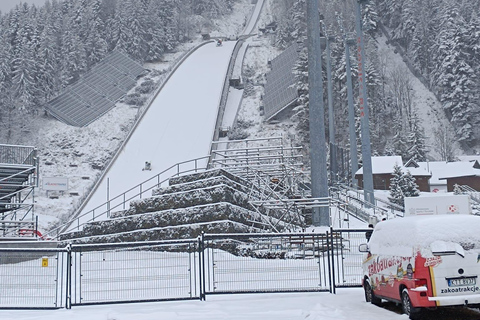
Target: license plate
(462,282)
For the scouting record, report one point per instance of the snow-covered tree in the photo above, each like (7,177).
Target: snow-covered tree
(416,141)
(396,192)
(402,185)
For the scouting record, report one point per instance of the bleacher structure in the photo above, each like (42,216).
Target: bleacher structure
(18,177)
(255,185)
(97,91)
(280,91)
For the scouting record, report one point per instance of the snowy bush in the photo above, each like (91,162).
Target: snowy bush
(237,134)
(146,87)
(135,99)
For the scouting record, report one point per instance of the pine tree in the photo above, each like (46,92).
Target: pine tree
(416,148)
(402,185)
(396,192)
(409,186)
(300,71)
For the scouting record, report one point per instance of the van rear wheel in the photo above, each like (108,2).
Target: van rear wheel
(412,312)
(370,296)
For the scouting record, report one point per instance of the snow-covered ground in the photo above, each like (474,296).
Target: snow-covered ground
(347,304)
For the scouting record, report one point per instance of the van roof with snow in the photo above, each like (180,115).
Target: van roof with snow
(428,234)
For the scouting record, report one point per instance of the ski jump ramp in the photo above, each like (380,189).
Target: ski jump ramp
(179,125)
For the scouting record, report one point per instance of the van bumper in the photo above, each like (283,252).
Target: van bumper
(470,299)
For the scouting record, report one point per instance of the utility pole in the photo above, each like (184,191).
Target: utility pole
(320,215)
(331,120)
(364,114)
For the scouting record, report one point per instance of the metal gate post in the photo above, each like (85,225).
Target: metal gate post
(68,289)
(333,262)
(328,260)
(201,251)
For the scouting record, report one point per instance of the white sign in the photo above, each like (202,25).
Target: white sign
(55,184)
(446,204)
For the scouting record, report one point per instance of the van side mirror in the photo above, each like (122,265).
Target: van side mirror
(363,248)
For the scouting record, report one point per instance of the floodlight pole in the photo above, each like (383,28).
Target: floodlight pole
(320,215)
(364,114)
(351,111)
(331,121)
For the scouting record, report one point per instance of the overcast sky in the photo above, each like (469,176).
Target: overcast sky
(7,5)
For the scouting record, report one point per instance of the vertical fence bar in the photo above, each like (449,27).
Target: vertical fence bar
(201,269)
(59,283)
(332,271)
(68,290)
(329,246)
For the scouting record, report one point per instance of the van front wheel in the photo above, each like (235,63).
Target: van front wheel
(408,309)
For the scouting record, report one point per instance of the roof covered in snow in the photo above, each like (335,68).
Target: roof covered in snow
(442,170)
(385,164)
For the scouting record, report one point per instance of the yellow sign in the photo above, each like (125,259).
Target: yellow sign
(44,262)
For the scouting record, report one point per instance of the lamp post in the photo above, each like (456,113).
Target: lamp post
(364,113)
(320,215)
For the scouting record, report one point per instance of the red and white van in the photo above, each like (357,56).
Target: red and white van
(424,262)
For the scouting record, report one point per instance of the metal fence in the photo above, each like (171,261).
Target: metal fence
(266,263)
(135,272)
(181,269)
(33,278)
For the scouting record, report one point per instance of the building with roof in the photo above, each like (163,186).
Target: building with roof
(445,175)
(382,171)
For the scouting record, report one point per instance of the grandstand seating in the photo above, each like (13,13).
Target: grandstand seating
(97,91)
(280,91)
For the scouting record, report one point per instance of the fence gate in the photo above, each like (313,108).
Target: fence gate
(135,272)
(266,263)
(347,261)
(32,278)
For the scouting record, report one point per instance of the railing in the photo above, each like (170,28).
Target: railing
(13,154)
(395,209)
(137,192)
(16,229)
(185,269)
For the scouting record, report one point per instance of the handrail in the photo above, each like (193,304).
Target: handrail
(392,206)
(123,196)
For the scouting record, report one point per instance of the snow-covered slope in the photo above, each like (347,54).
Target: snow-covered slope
(177,127)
